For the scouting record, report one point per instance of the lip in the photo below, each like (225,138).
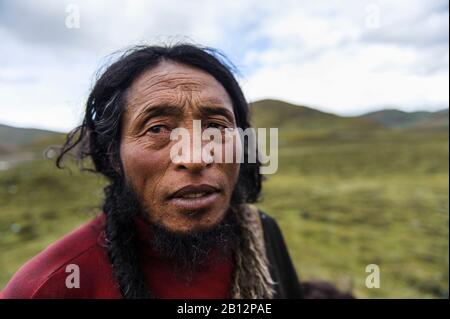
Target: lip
(202,188)
(212,194)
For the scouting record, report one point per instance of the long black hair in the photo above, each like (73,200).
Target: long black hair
(98,138)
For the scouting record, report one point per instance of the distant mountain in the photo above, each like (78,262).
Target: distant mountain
(436,121)
(14,139)
(410,120)
(298,119)
(275,113)
(19,136)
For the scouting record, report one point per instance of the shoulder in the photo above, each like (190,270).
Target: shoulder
(35,275)
(287,284)
(270,226)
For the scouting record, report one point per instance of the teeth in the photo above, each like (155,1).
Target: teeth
(194,195)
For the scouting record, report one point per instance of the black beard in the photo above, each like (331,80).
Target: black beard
(187,252)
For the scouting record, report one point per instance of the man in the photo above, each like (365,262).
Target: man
(168,229)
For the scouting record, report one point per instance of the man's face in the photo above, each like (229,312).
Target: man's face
(182,197)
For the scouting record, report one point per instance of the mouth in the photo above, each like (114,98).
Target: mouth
(193,198)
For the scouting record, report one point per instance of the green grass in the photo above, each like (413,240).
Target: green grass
(344,198)
(344,204)
(39,204)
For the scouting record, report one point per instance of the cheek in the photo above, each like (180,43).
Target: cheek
(143,167)
(231,171)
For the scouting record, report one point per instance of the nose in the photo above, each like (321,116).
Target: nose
(193,167)
(195,161)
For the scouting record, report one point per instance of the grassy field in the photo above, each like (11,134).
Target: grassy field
(344,205)
(345,197)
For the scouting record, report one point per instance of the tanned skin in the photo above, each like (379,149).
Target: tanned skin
(165,97)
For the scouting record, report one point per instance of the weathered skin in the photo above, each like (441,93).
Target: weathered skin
(185,93)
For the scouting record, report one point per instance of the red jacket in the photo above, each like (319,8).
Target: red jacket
(44,276)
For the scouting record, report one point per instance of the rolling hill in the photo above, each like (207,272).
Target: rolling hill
(410,120)
(274,113)
(20,136)
(15,139)
(271,113)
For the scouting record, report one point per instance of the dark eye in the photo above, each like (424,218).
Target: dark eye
(158,129)
(215,125)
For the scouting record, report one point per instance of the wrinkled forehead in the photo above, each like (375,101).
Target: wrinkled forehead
(176,84)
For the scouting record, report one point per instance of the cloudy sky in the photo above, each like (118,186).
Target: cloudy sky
(345,57)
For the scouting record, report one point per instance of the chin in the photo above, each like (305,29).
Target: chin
(188,223)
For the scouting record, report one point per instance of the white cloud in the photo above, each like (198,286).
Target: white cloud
(349,81)
(345,57)
(337,61)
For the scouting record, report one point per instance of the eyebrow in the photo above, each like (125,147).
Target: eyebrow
(157,111)
(217,110)
(162,110)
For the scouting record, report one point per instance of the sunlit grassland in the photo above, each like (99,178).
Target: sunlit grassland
(39,204)
(344,204)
